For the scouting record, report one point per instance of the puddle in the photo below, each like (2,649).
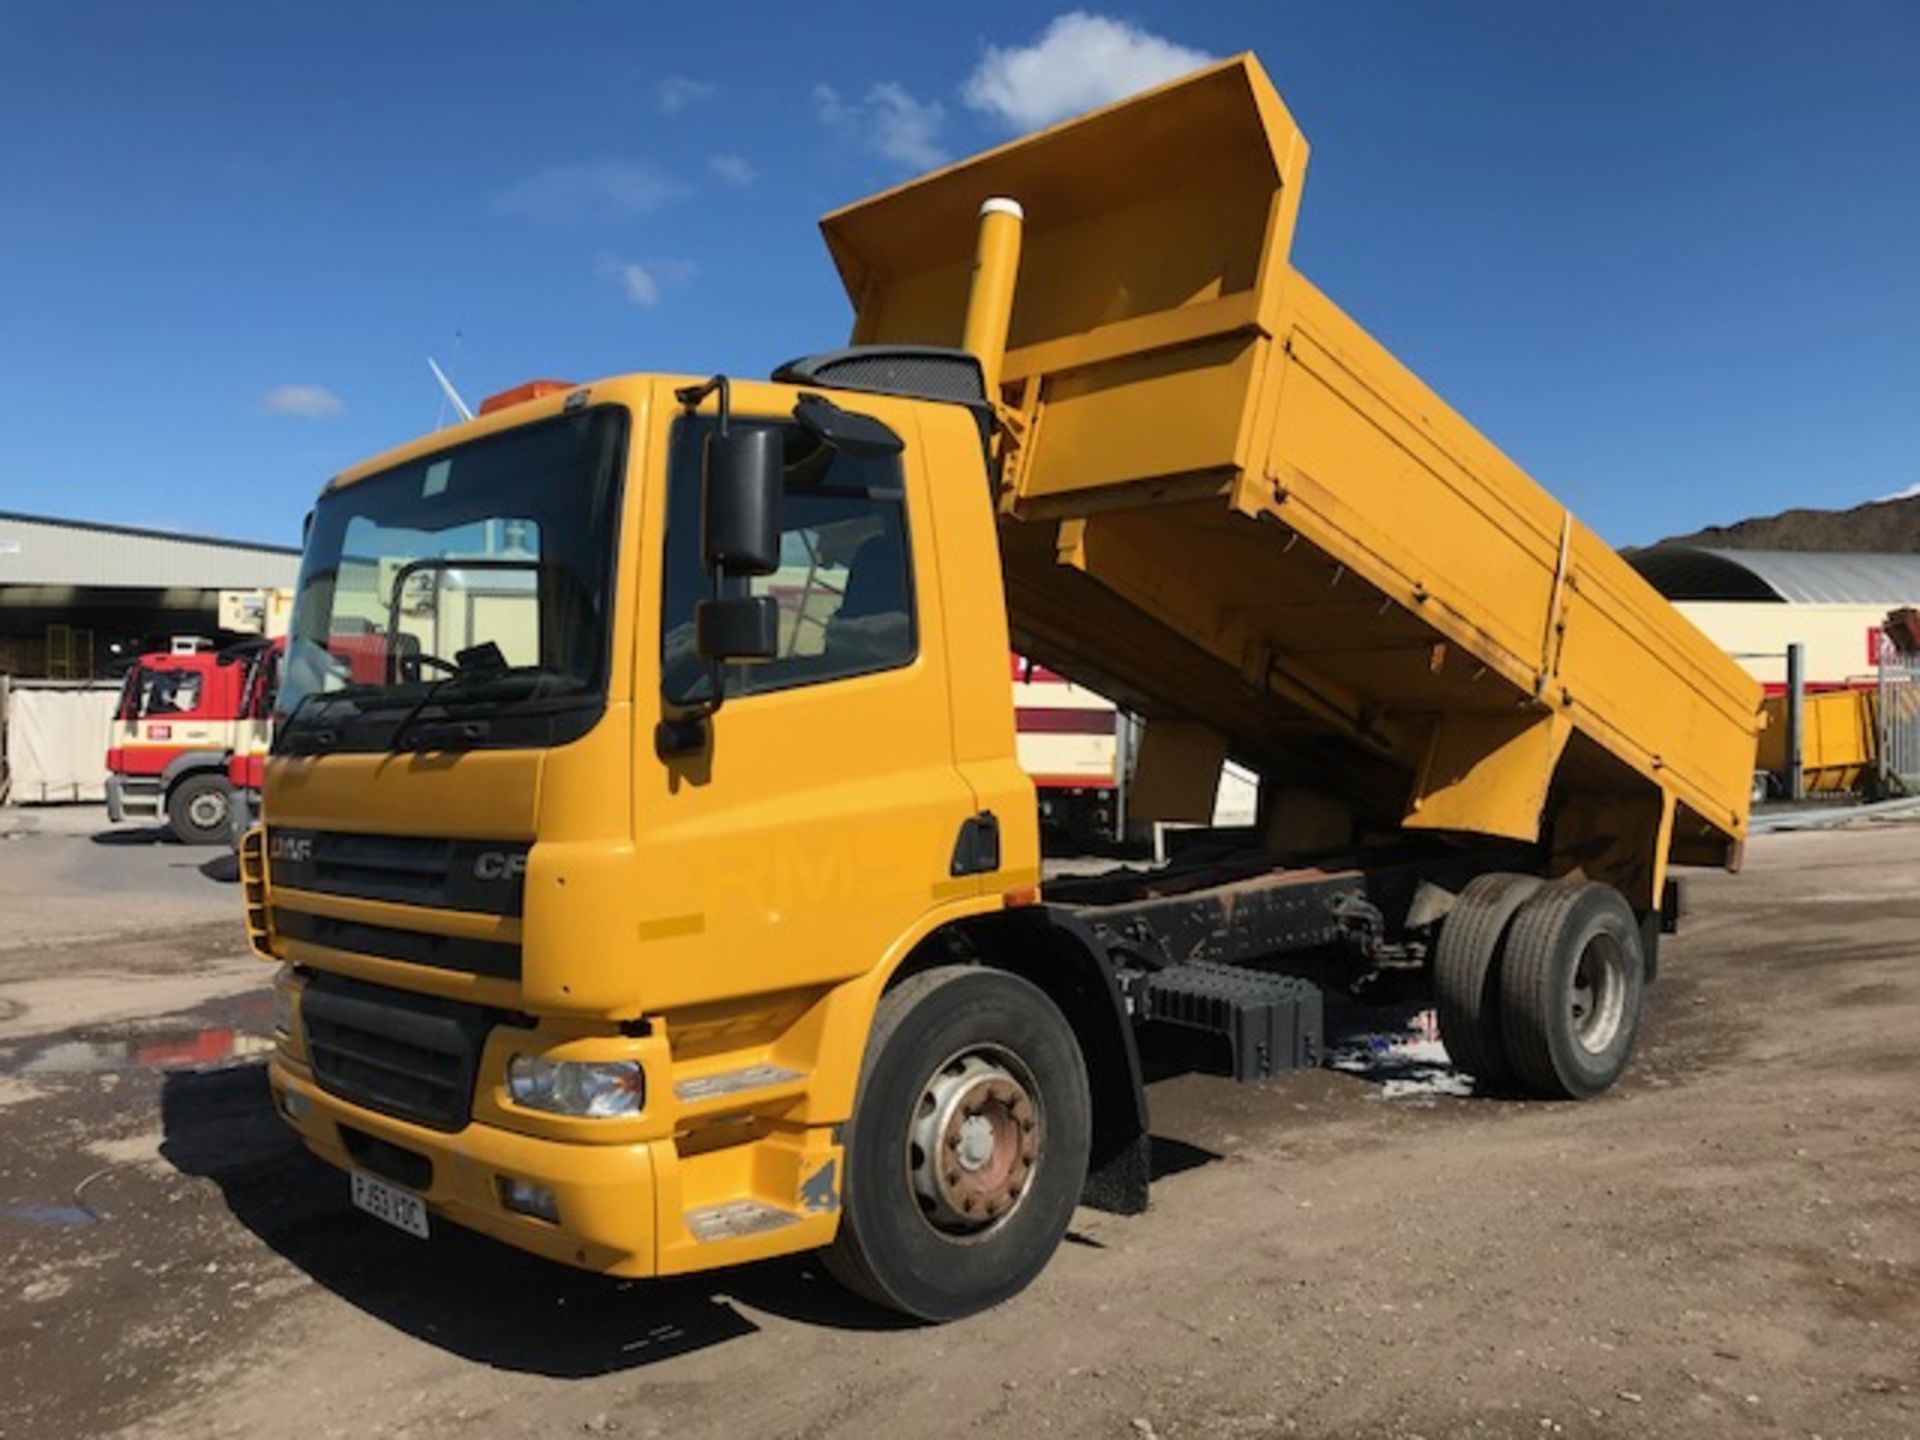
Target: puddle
(1406,1063)
(153,1050)
(51,1216)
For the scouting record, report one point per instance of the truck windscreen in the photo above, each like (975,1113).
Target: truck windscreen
(461,600)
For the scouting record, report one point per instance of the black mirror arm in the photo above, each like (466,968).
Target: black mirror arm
(686,733)
(691,396)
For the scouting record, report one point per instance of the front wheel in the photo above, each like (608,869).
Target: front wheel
(968,1145)
(199,810)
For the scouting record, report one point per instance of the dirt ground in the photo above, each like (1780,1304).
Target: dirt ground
(1727,1245)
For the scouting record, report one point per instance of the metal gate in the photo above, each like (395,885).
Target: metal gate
(1899,721)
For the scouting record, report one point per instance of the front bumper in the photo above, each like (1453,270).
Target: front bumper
(605,1193)
(132,797)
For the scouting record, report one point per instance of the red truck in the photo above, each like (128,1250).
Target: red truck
(360,660)
(184,714)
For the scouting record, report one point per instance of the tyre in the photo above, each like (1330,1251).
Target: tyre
(968,1145)
(199,810)
(1571,984)
(1466,973)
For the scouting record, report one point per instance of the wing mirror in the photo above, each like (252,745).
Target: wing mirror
(743,480)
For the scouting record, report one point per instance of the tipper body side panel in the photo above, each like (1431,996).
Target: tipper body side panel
(1223,502)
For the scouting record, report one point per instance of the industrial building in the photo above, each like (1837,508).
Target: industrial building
(78,598)
(78,602)
(1755,603)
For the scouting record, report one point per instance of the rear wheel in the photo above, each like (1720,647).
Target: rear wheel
(968,1146)
(1571,984)
(200,810)
(1466,973)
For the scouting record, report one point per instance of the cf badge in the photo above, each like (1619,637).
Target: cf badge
(498,865)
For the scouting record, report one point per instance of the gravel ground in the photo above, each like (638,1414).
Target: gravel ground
(1726,1245)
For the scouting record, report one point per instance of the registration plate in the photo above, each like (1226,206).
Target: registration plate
(401,1209)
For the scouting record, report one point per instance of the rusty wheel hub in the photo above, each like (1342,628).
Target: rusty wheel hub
(976,1140)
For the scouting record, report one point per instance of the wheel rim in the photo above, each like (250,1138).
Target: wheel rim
(1597,996)
(976,1142)
(207,812)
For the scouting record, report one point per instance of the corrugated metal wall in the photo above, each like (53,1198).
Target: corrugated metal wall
(43,552)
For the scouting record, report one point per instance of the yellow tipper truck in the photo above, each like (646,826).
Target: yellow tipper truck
(687,908)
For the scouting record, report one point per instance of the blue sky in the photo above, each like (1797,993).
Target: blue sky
(1666,255)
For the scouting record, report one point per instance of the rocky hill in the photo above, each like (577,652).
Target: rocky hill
(1881,525)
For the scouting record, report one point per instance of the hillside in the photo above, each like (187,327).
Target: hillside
(1881,525)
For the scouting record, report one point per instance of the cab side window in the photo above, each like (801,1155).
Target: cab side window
(172,692)
(845,583)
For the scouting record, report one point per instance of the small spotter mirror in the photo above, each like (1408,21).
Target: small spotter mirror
(847,431)
(737,630)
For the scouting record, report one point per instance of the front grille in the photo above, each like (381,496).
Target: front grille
(497,958)
(412,1056)
(487,877)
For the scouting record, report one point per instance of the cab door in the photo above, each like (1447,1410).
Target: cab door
(178,707)
(819,819)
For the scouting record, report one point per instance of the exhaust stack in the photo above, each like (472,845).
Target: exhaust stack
(996,267)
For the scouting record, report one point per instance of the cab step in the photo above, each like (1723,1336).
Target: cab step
(728,1083)
(736,1218)
(1272,1023)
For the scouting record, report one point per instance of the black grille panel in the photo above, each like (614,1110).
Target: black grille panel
(396,1163)
(484,876)
(497,958)
(411,1056)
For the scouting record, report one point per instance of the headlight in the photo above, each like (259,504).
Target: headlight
(601,1089)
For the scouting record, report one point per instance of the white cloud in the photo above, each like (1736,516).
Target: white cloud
(309,402)
(603,189)
(734,169)
(677,92)
(889,122)
(1080,62)
(1909,493)
(644,282)
(636,282)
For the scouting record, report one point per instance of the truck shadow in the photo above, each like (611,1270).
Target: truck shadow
(223,867)
(465,1294)
(125,835)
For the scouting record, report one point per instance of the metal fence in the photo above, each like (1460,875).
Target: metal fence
(1899,721)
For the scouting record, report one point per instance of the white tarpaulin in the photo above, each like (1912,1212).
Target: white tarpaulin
(56,737)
